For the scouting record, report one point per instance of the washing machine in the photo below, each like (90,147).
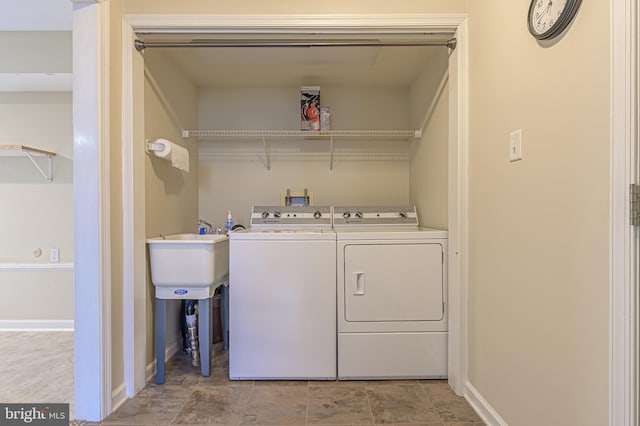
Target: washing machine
(282,295)
(392,294)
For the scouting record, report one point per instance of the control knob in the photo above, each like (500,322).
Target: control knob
(277,215)
(265,214)
(402,215)
(359,215)
(317,214)
(346,215)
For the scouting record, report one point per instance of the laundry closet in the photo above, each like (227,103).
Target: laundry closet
(235,108)
(258,88)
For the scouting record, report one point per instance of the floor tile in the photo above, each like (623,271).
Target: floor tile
(189,398)
(46,367)
(281,383)
(400,404)
(176,392)
(449,406)
(145,411)
(438,391)
(214,405)
(276,405)
(465,424)
(388,382)
(179,371)
(338,405)
(363,382)
(456,411)
(220,377)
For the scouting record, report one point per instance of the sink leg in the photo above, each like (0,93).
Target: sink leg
(225,315)
(204,334)
(161,321)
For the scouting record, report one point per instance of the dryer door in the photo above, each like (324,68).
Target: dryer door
(393,282)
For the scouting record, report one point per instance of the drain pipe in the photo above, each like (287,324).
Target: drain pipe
(192,330)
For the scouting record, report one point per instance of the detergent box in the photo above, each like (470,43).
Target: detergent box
(310,108)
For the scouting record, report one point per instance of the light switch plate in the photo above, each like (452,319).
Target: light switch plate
(515,145)
(54,255)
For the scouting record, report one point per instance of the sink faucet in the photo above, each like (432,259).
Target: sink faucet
(209,229)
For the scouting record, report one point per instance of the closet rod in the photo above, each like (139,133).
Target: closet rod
(141,45)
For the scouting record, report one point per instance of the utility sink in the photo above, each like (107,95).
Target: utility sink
(188,266)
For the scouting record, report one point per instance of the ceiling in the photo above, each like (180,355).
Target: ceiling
(318,65)
(274,67)
(36,15)
(229,67)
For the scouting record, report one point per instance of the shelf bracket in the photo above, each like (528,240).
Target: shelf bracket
(267,153)
(48,175)
(331,155)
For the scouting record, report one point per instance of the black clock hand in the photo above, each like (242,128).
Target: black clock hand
(545,11)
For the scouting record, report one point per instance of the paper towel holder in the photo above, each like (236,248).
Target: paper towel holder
(151,147)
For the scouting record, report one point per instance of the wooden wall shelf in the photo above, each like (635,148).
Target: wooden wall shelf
(30,153)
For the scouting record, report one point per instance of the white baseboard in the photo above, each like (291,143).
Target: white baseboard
(168,354)
(482,407)
(118,397)
(36,325)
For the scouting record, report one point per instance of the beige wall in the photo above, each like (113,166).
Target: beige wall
(36,214)
(35,52)
(397,171)
(538,243)
(538,285)
(428,186)
(171,195)
(260,7)
(36,298)
(238,184)
(115,219)
(233,174)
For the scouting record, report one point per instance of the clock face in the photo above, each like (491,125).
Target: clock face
(548,18)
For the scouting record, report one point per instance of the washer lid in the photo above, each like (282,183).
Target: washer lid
(283,234)
(387,234)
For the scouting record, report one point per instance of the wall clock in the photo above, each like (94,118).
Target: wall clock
(548,18)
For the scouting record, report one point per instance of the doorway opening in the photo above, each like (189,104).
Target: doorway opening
(137,328)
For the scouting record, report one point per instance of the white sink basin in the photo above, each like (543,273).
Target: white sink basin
(188,266)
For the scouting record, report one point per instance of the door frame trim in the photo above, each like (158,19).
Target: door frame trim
(302,24)
(623,312)
(92,211)
(623,249)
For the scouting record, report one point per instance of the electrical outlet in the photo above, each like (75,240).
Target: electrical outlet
(54,255)
(515,145)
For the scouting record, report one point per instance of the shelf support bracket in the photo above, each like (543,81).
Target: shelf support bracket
(48,175)
(331,155)
(267,153)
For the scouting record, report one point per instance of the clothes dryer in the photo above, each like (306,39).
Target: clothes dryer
(282,295)
(392,294)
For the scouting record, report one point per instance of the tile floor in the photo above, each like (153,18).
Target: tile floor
(187,398)
(36,367)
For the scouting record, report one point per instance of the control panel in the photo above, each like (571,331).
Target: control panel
(291,217)
(375,216)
